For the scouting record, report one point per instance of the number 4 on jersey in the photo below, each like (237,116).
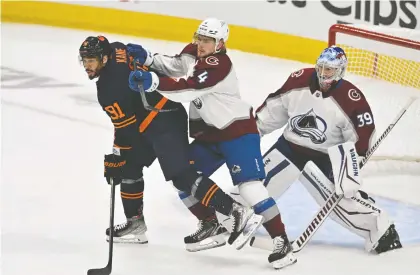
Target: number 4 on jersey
(202,77)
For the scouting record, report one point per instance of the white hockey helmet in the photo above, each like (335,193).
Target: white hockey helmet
(215,28)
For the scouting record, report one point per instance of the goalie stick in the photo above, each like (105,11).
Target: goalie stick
(108,268)
(329,205)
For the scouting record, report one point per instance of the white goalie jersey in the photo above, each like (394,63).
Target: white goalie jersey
(317,120)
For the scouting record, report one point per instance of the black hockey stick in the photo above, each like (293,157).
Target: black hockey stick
(332,201)
(146,104)
(108,268)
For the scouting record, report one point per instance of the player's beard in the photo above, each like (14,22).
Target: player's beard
(94,74)
(92,77)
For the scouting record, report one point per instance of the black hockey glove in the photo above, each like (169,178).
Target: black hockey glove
(114,168)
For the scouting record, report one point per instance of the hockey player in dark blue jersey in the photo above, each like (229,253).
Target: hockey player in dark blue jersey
(141,135)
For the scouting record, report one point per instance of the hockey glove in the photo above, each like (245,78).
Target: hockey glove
(150,81)
(114,168)
(140,54)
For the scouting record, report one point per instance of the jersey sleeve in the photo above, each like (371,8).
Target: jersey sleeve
(273,113)
(208,76)
(174,66)
(360,128)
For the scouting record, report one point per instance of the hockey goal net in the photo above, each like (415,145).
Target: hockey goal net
(385,64)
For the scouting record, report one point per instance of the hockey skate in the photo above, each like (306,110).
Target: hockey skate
(132,231)
(282,255)
(245,225)
(390,240)
(210,234)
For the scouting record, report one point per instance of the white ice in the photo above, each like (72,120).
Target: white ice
(54,200)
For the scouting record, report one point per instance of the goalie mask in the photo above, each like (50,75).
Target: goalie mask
(331,66)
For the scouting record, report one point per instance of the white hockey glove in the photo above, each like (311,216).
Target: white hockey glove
(345,165)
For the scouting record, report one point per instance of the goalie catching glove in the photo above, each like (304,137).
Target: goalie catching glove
(346,169)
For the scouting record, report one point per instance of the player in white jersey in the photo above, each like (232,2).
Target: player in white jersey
(223,127)
(321,112)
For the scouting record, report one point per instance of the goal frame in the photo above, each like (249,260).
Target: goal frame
(371,35)
(375,36)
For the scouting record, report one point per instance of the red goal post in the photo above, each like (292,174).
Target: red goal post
(379,65)
(385,64)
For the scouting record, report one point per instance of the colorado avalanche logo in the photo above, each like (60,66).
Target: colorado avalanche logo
(354,95)
(211,60)
(297,73)
(309,125)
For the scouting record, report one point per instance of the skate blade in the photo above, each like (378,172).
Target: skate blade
(138,239)
(251,227)
(209,243)
(289,259)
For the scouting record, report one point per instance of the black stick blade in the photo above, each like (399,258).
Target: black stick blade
(100,271)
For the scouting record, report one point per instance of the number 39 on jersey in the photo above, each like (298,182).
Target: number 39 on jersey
(364,119)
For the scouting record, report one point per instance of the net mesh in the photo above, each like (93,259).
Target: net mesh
(383,67)
(388,75)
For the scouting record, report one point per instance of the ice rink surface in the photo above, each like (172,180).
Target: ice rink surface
(54,199)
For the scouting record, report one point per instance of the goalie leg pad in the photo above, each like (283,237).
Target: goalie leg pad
(345,166)
(357,214)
